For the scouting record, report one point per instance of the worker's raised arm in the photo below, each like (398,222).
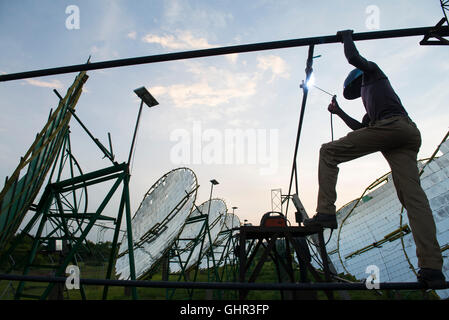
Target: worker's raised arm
(352,54)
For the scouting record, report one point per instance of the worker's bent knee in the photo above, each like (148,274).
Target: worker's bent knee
(329,154)
(326,149)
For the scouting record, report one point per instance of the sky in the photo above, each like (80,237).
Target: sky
(205,103)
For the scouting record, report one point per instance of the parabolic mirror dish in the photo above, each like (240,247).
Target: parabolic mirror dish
(192,231)
(158,221)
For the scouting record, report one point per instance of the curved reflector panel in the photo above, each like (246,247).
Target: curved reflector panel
(221,247)
(190,238)
(158,221)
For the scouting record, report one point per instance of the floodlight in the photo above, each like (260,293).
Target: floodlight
(146,97)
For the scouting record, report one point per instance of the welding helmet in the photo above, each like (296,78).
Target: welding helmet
(353,84)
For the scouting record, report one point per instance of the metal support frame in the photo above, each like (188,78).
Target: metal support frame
(60,206)
(276,200)
(227,261)
(434,34)
(21,188)
(198,240)
(60,221)
(266,237)
(174,254)
(68,208)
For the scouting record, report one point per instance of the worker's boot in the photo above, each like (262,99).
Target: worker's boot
(432,278)
(323,220)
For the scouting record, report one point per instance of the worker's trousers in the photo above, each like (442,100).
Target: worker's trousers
(399,140)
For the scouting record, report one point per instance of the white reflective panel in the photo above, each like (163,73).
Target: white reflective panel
(189,241)
(158,221)
(378,215)
(58,245)
(223,245)
(191,232)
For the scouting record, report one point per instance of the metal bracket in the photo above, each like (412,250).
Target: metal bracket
(434,34)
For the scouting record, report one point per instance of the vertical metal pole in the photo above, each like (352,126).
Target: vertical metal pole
(242,261)
(324,257)
(114,243)
(210,238)
(293,175)
(210,200)
(130,235)
(135,132)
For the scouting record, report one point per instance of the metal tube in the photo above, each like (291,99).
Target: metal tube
(373,35)
(135,133)
(222,285)
(294,173)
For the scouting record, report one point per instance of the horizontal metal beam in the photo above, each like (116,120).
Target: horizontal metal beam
(373,35)
(222,285)
(85,178)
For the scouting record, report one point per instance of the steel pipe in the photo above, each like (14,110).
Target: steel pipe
(373,35)
(222,285)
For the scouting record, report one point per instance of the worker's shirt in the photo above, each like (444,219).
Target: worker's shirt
(378,96)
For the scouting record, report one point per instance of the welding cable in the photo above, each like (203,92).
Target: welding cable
(332,128)
(334,97)
(315,254)
(330,236)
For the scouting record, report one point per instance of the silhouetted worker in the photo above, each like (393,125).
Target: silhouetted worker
(387,128)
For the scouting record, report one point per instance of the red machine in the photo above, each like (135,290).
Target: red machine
(273,219)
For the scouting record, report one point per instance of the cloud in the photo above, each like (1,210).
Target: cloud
(103,52)
(274,64)
(243,123)
(232,57)
(132,35)
(181,40)
(213,87)
(114,20)
(45,84)
(201,17)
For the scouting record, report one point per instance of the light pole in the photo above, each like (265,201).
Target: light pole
(150,101)
(213,183)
